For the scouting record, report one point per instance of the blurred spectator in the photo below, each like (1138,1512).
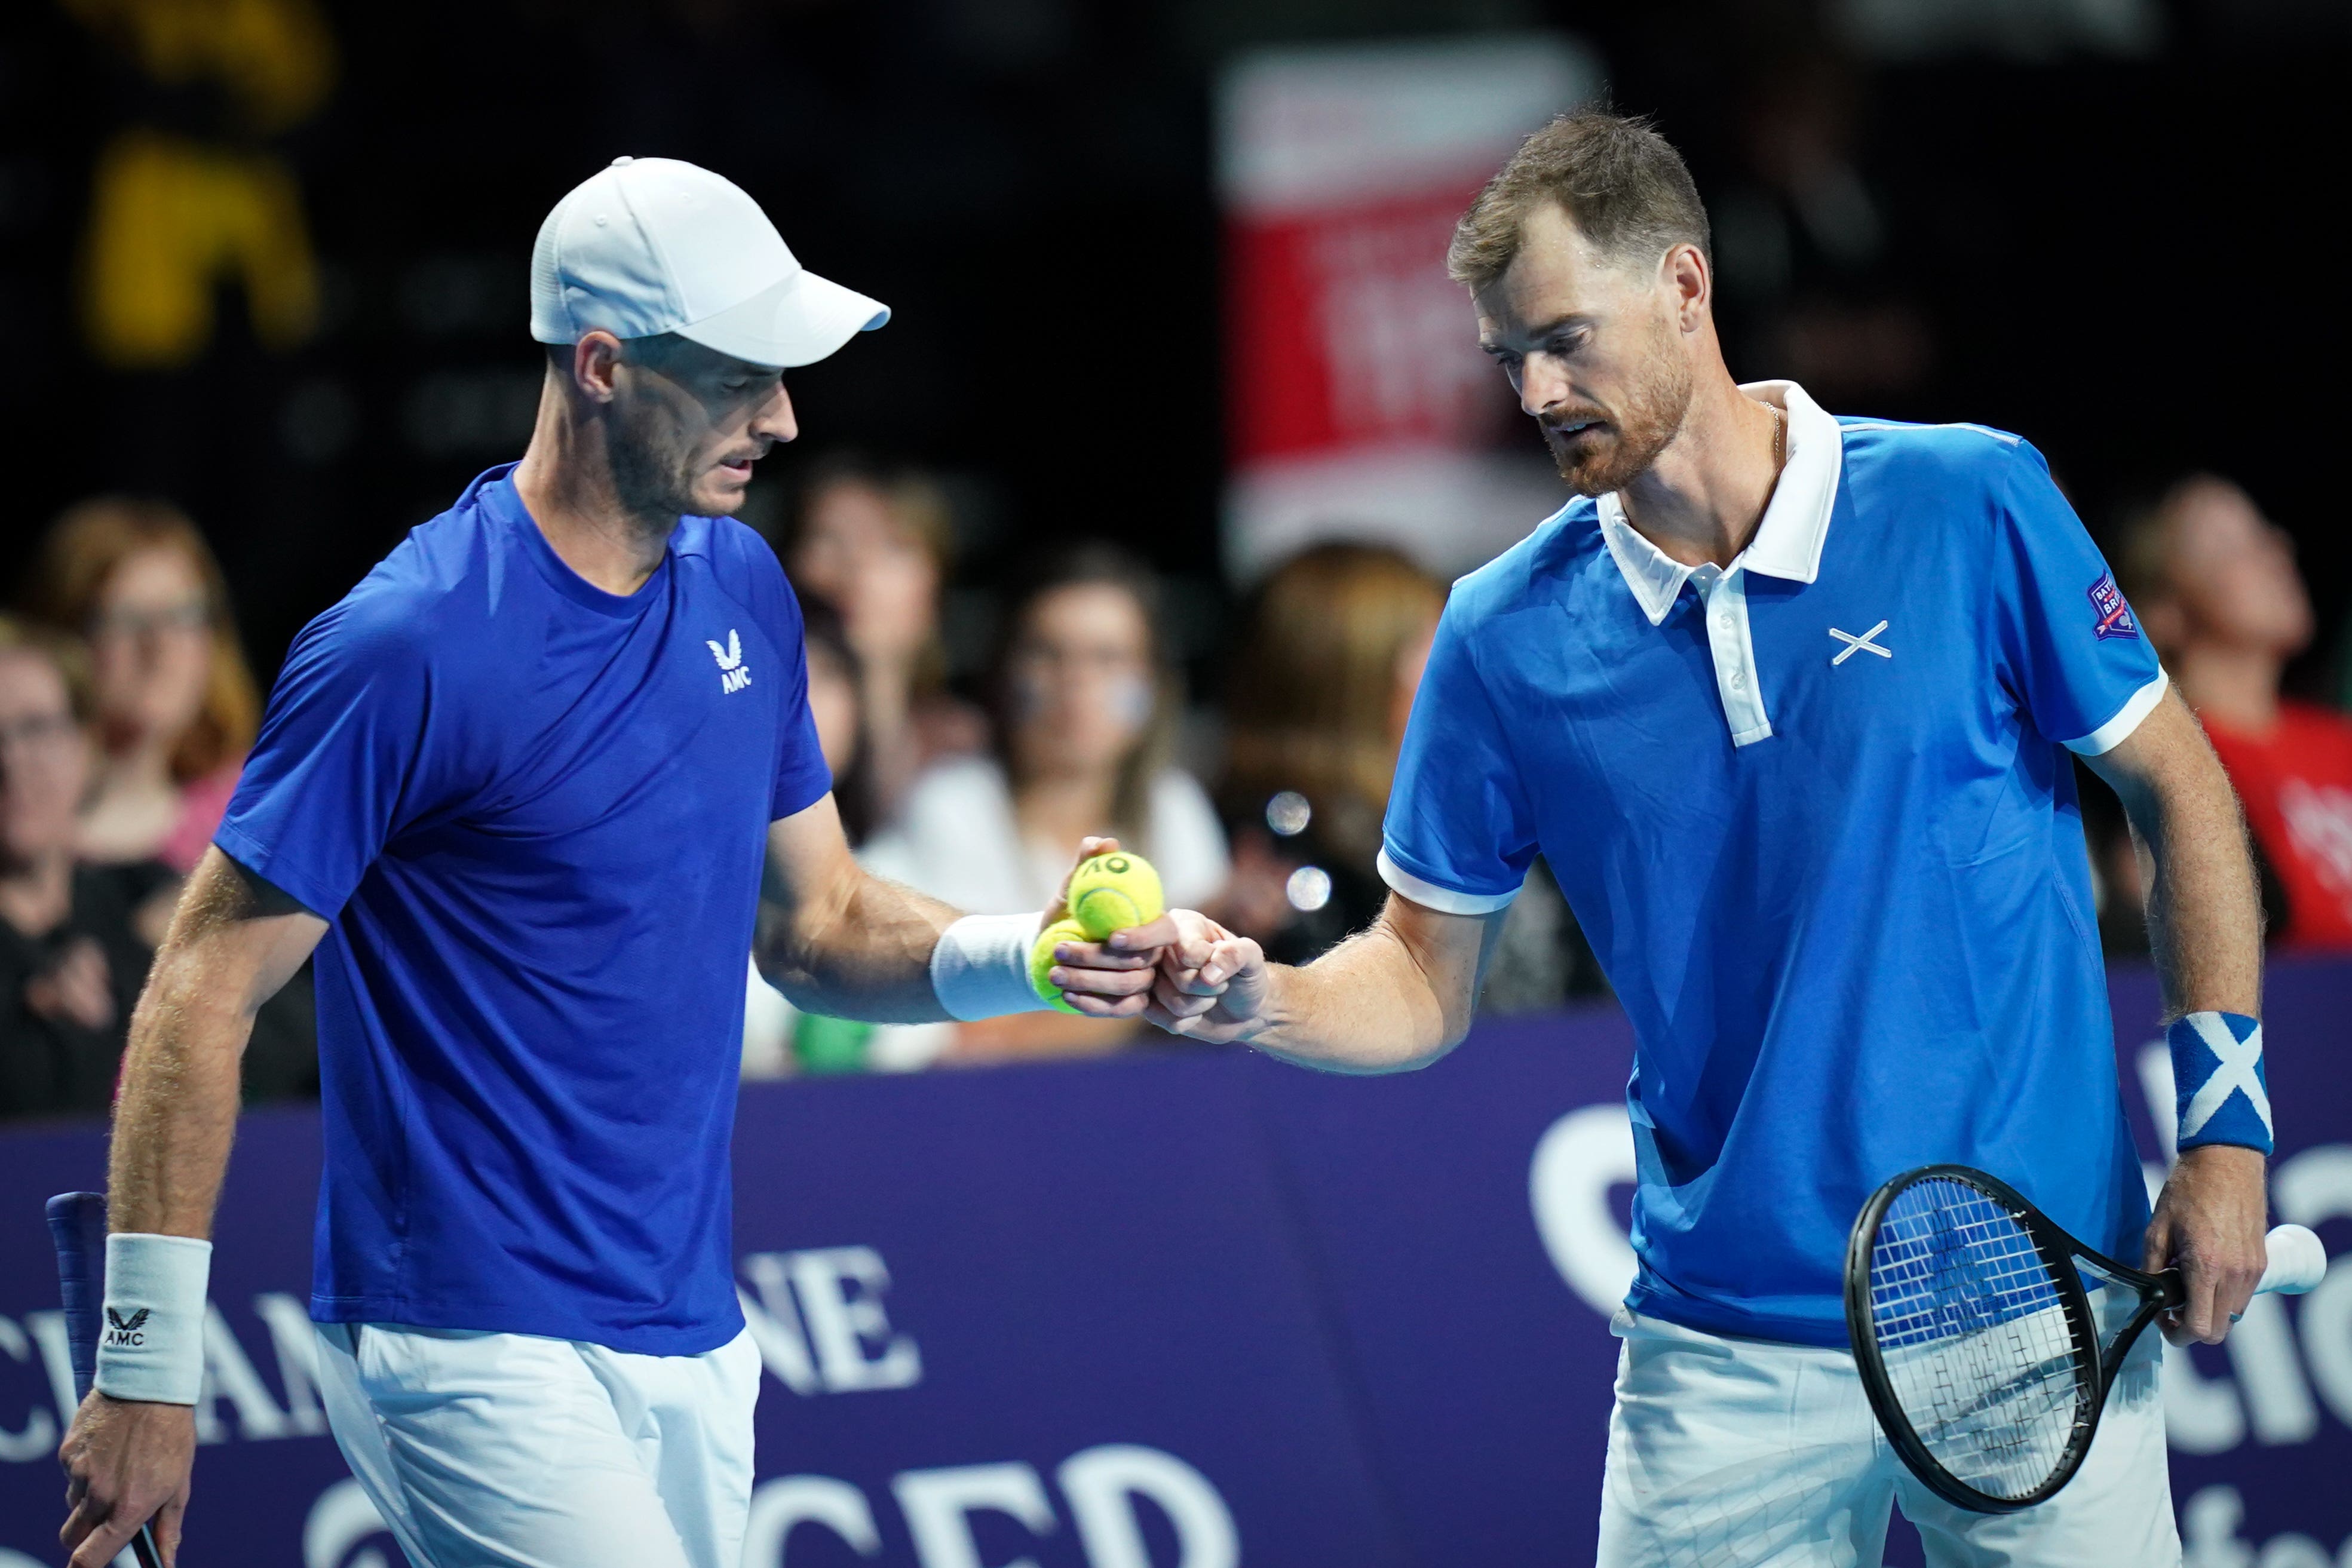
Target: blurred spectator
(75,938)
(2215,586)
(876,544)
(1083,705)
(833,686)
(1808,272)
(176,706)
(1321,686)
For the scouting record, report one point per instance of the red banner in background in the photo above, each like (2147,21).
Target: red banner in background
(1358,400)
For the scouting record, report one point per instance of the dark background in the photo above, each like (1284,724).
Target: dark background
(2123,257)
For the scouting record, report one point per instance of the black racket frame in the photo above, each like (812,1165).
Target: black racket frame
(2096,1369)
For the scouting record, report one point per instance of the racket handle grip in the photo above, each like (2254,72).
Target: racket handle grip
(78,1229)
(2297,1261)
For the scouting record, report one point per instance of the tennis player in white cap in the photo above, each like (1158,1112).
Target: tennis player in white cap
(515,790)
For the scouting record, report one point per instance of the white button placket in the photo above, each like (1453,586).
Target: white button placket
(1724,595)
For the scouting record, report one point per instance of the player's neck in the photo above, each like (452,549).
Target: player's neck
(565,481)
(2236,687)
(1701,501)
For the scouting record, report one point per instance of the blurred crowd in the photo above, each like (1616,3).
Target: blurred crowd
(127,706)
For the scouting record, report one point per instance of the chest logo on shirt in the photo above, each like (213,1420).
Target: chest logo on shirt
(732,675)
(1862,645)
(2114,615)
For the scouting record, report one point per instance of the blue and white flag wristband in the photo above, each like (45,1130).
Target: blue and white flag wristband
(2222,1093)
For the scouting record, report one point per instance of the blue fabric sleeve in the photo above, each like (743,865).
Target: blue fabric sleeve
(1458,817)
(356,743)
(801,776)
(2072,652)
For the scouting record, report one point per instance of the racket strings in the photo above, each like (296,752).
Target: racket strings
(1972,1331)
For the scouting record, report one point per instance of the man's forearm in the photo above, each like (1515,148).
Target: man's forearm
(2204,914)
(177,1114)
(864,953)
(234,942)
(1368,1006)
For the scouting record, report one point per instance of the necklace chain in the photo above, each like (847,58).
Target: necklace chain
(1780,438)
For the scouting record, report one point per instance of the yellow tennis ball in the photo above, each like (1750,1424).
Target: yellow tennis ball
(1113,892)
(1041,961)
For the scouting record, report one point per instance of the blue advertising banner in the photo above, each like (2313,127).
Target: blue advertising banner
(1184,1310)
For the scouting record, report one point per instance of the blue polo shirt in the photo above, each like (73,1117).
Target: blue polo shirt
(534,814)
(1816,815)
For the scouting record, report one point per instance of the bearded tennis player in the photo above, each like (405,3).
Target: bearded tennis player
(1789,703)
(515,790)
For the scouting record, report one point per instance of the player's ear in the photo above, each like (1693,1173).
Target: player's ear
(1689,281)
(596,366)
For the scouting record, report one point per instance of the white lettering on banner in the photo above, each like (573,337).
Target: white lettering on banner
(1103,1484)
(296,1340)
(775,1323)
(938,1506)
(1577,1160)
(817,1318)
(841,1324)
(49,1332)
(778,1505)
(2209,1537)
(228,1374)
(2312,1189)
(37,1438)
(819,1321)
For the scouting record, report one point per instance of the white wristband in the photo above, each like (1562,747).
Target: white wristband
(151,1341)
(981,967)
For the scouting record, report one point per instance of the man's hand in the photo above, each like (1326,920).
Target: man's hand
(127,1463)
(1203,982)
(2208,1223)
(1101,979)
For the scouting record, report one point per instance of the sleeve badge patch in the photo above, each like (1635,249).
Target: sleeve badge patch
(2114,616)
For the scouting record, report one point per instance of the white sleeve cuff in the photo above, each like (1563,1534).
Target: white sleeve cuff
(981,967)
(1444,900)
(2118,729)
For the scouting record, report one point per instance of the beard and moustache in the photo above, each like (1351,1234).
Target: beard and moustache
(654,463)
(1612,454)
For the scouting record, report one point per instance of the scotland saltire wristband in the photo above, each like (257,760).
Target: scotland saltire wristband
(151,1345)
(981,967)
(2217,1081)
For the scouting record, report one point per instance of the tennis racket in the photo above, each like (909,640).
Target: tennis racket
(77,1225)
(1988,1337)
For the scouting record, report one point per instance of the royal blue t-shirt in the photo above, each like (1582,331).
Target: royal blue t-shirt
(534,814)
(1817,817)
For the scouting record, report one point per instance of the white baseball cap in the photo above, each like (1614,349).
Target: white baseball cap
(652,244)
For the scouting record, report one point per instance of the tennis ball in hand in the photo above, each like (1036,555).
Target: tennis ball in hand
(1110,893)
(1041,961)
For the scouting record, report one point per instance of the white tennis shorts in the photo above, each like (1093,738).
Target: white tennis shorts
(501,1450)
(1737,1453)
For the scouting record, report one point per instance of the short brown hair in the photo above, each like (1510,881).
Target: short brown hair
(1622,183)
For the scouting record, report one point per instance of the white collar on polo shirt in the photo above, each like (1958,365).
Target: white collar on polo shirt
(1787,542)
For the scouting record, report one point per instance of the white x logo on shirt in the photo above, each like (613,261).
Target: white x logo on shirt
(2236,1071)
(1854,644)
